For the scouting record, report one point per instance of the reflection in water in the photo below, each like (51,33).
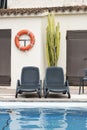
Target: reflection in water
(15,121)
(43,119)
(4,120)
(53,120)
(76,119)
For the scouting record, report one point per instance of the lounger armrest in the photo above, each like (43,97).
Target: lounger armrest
(17,85)
(40,83)
(44,84)
(18,82)
(66,83)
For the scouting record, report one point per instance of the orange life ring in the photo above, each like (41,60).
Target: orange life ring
(17,40)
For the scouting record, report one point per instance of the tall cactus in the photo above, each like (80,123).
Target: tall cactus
(53,41)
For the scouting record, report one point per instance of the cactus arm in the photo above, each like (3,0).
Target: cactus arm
(53,41)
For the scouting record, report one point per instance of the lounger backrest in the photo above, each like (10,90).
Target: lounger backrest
(30,75)
(55,75)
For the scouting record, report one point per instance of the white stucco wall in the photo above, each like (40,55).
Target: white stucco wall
(69,22)
(37,24)
(36,56)
(43,3)
(19,58)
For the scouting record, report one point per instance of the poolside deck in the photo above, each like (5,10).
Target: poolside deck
(8,94)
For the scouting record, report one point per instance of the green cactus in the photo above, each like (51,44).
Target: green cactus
(53,41)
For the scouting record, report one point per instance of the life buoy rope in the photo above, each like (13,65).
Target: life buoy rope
(17,40)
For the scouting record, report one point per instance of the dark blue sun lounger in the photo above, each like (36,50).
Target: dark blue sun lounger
(54,82)
(30,81)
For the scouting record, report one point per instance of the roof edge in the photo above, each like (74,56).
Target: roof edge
(36,11)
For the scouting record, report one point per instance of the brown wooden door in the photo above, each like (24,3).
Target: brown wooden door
(76,56)
(5,57)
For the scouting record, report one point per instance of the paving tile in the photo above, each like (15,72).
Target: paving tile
(7,94)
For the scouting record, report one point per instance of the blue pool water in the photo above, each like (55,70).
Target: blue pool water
(43,118)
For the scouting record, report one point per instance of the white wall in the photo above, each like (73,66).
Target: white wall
(19,58)
(43,3)
(69,22)
(36,56)
(33,3)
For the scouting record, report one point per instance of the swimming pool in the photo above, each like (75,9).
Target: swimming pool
(43,116)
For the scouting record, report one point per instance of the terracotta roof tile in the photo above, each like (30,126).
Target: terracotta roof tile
(35,11)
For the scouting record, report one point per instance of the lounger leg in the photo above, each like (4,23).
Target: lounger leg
(39,93)
(45,93)
(79,89)
(81,85)
(16,95)
(68,95)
